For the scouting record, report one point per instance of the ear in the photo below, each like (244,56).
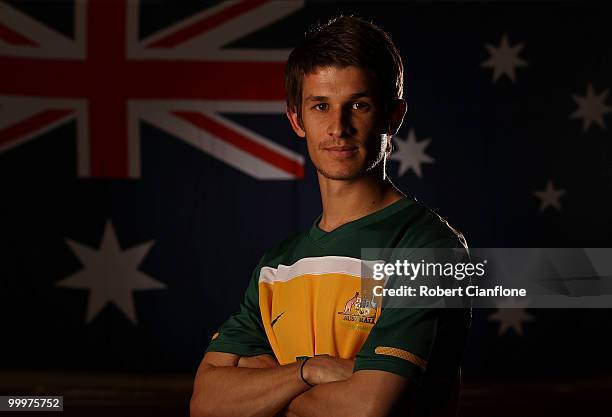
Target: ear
(295,122)
(396,116)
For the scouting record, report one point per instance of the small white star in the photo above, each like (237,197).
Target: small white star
(591,108)
(504,59)
(511,314)
(411,154)
(550,197)
(110,274)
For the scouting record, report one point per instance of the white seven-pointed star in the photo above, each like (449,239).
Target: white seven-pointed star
(504,59)
(591,108)
(411,154)
(550,197)
(110,274)
(511,314)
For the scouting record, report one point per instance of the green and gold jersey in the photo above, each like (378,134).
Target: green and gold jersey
(304,300)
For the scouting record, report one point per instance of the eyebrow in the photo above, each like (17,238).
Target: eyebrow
(352,97)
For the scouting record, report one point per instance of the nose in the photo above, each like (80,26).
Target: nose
(339,123)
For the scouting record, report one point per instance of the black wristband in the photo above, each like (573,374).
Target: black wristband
(302,373)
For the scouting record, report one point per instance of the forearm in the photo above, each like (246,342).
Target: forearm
(365,394)
(329,396)
(245,392)
(334,398)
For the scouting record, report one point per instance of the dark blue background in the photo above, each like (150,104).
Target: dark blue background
(493,144)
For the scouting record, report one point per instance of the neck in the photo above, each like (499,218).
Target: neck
(348,200)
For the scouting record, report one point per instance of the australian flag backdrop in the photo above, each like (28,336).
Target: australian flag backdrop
(146,164)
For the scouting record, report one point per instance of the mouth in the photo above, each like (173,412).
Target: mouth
(341,152)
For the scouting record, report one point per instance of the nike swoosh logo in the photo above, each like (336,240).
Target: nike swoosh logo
(277,317)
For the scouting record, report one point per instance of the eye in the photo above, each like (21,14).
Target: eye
(321,106)
(360,105)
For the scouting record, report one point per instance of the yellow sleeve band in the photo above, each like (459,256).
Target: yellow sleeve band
(402,354)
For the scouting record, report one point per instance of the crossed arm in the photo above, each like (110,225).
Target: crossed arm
(230,385)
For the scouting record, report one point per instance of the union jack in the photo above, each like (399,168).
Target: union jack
(179,79)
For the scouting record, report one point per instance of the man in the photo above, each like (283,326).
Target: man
(307,341)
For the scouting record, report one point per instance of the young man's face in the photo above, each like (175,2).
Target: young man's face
(342,121)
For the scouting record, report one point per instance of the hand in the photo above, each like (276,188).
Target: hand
(323,369)
(259,361)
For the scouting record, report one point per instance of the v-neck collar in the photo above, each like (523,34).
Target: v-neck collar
(321,236)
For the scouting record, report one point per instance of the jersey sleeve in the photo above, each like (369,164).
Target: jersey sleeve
(243,332)
(410,341)
(400,342)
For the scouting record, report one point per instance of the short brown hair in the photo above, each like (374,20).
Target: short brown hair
(346,41)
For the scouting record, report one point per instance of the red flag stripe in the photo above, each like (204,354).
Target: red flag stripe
(248,145)
(206,23)
(141,79)
(31,124)
(12,37)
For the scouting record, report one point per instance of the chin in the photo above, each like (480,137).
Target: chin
(341,173)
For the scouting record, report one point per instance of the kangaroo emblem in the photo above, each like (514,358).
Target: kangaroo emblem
(349,304)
